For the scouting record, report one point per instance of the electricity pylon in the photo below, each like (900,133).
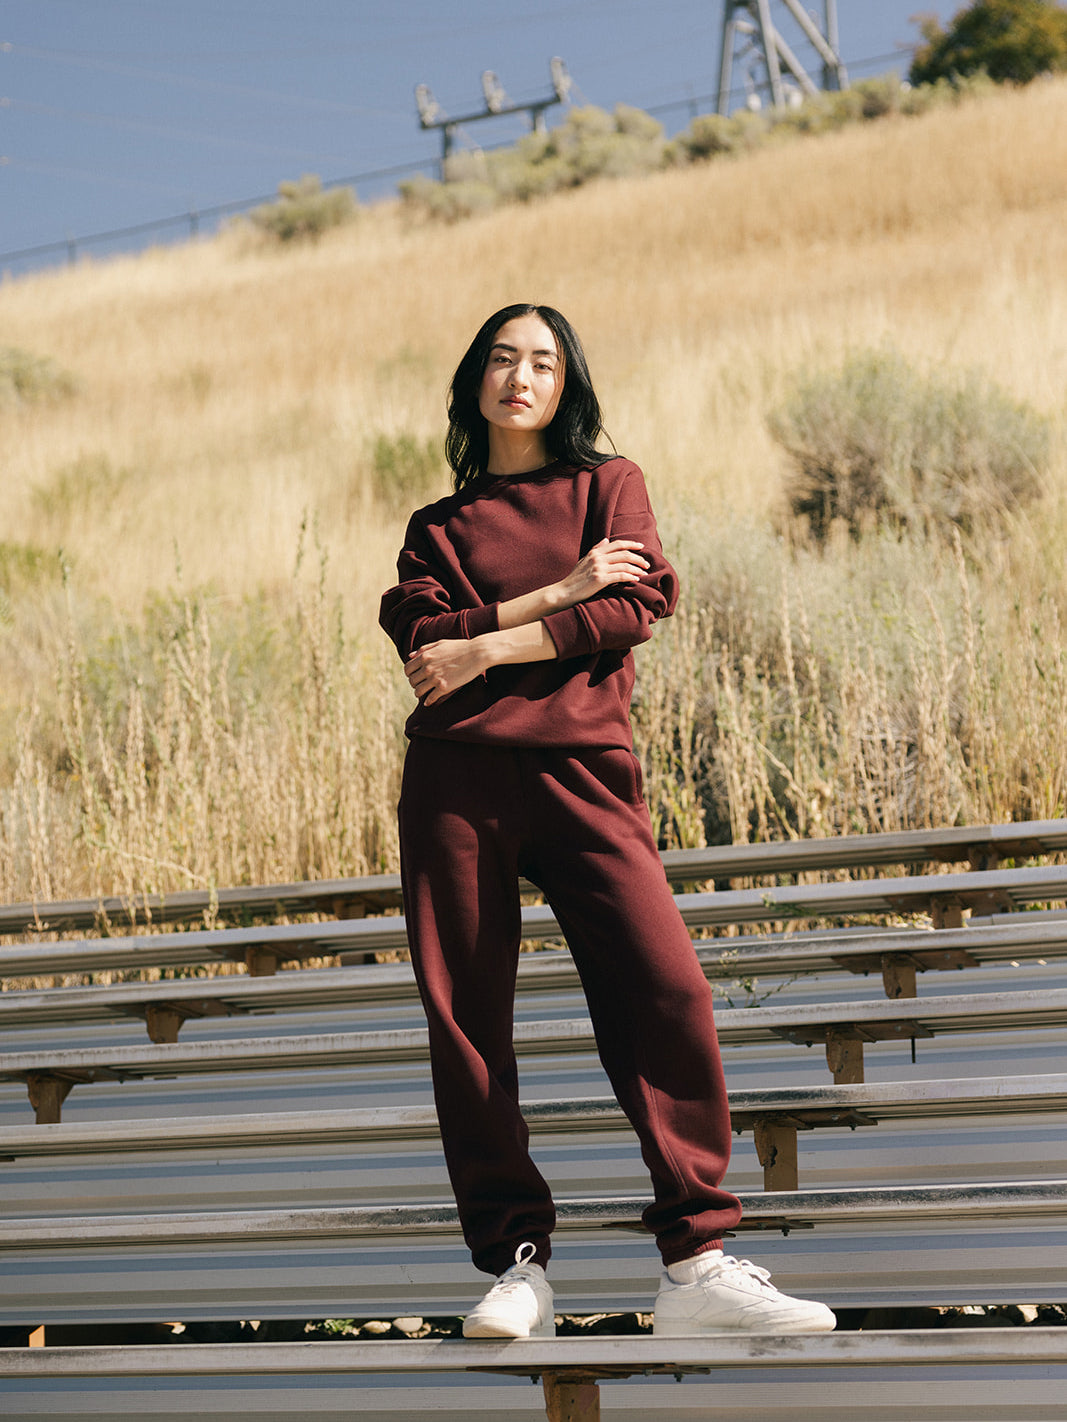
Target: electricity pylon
(752,21)
(496,104)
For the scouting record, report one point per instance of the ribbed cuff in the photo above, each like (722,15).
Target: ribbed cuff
(569,632)
(477,620)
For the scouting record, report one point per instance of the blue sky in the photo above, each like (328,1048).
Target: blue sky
(119,112)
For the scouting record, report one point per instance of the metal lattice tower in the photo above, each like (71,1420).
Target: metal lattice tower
(763,46)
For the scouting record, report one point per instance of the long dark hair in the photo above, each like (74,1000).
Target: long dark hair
(572,435)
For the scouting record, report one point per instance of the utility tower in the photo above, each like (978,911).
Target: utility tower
(764,49)
(496,105)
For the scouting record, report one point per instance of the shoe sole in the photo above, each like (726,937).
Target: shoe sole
(695,1330)
(488,1329)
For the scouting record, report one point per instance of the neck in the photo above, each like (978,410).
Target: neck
(515,452)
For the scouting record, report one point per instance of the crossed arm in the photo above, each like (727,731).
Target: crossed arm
(438,669)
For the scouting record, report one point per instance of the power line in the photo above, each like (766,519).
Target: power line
(192,218)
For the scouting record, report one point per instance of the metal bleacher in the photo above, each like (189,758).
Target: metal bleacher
(207,1144)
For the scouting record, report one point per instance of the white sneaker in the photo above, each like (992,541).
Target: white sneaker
(519,1305)
(729,1295)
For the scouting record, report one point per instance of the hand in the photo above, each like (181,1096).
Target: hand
(609,562)
(440,668)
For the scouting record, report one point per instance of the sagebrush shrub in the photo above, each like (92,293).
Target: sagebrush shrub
(407,472)
(879,443)
(304,209)
(25,377)
(590,143)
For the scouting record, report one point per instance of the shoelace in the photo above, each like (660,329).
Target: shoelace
(752,1271)
(510,1282)
(517,1276)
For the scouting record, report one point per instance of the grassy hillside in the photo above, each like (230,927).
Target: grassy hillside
(192,707)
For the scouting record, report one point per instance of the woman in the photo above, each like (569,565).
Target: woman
(519,598)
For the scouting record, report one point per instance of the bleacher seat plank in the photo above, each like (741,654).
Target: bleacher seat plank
(910,895)
(982,845)
(806,1107)
(602,1356)
(803,1023)
(367,983)
(942,1376)
(764,1210)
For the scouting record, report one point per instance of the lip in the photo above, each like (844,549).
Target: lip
(516,400)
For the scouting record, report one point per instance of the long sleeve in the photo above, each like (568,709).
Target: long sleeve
(502,538)
(419,609)
(619,618)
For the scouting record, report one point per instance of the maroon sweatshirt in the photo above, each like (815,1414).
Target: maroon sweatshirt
(499,538)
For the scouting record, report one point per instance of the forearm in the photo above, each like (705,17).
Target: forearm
(522,611)
(611,562)
(528,642)
(440,668)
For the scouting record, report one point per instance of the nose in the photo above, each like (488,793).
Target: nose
(518,378)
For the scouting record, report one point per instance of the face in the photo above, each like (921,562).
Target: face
(523,377)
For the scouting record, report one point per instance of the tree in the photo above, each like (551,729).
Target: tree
(1013,41)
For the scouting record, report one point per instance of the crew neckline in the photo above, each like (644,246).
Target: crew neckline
(523,473)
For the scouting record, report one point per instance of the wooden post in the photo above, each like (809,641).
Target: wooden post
(164,1023)
(844,1055)
(898,976)
(261,962)
(349,908)
(776,1146)
(47,1094)
(946,913)
(567,1400)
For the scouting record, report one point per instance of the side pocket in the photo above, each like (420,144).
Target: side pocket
(639,779)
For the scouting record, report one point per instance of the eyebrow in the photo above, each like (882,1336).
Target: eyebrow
(503,346)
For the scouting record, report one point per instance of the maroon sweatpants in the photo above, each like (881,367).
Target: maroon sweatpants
(472,819)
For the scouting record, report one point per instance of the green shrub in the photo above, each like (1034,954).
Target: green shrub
(716,136)
(590,143)
(25,377)
(407,473)
(878,443)
(304,210)
(24,564)
(464,194)
(1013,41)
(80,488)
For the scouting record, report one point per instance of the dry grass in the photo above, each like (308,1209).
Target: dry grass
(227,393)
